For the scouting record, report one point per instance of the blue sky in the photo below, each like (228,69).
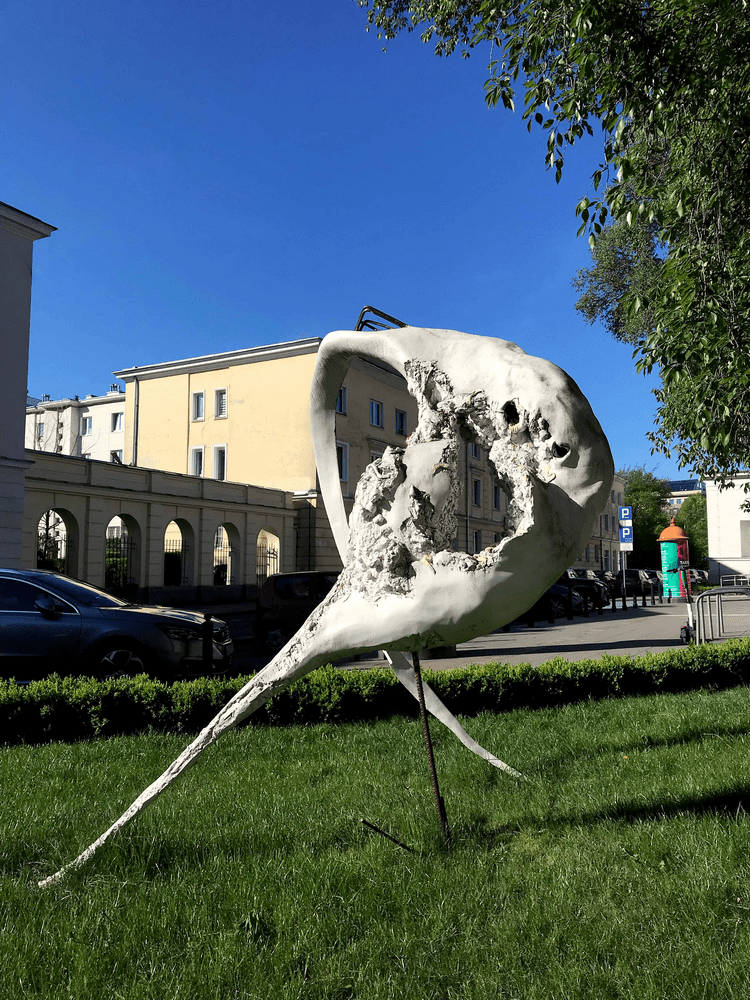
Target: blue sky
(224,175)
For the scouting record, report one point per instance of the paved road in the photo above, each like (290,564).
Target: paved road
(632,632)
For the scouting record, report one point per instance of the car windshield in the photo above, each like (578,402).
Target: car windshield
(84,593)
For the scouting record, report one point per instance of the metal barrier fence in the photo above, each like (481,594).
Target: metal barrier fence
(722,613)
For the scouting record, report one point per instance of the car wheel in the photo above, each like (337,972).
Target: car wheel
(559,610)
(119,658)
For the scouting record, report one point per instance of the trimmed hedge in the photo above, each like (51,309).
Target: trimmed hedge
(74,708)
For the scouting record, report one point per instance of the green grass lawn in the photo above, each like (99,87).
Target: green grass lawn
(621,869)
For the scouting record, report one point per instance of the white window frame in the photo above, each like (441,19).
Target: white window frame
(118,422)
(376,411)
(402,419)
(342,401)
(220,394)
(118,453)
(343,462)
(87,424)
(217,448)
(194,453)
(40,430)
(198,398)
(476,492)
(375,455)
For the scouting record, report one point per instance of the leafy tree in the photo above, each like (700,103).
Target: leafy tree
(692,517)
(648,497)
(666,84)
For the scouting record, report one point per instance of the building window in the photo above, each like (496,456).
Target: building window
(40,430)
(587,553)
(477,541)
(116,456)
(613,496)
(497,497)
(341,406)
(497,537)
(342,455)
(476,492)
(117,419)
(596,553)
(220,403)
(375,455)
(401,422)
(476,451)
(220,461)
(376,413)
(196,461)
(606,560)
(86,424)
(606,522)
(198,411)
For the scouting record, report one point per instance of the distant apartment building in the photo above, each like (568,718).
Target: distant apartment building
(681,489)
(93,427)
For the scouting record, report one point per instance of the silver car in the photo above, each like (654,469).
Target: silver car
(50,623)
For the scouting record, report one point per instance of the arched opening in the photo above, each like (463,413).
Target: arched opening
(267,553)
(178,555)
(223,558)
(57,541)
(122,555)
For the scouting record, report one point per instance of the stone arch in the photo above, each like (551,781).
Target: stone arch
(179,553)
(122,554)
(267,555)
(57,537)
(227,566)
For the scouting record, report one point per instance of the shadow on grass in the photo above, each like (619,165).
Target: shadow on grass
(732,804)
(646,743)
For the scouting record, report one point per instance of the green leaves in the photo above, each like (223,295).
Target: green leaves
(669,86)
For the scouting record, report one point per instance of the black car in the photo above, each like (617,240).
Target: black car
(588,588)
(52,623)
(285,601)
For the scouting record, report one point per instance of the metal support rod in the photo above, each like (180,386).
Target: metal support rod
(439,803)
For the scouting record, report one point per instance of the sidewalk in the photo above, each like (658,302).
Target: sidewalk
(632,632)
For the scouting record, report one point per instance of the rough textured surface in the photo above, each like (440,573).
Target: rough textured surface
(404,587)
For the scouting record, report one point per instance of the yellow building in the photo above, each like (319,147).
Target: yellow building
(243,416)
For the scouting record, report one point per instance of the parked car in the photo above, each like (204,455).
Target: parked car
(585,586)
(285,601)
(52,623)
(555,602)
(698,577)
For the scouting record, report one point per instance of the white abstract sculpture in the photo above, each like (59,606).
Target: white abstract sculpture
(403,586)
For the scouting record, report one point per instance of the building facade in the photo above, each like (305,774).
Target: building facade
(603,551)
(93,427)
(728,532)
(243,416)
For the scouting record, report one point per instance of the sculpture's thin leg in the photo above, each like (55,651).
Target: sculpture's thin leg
(439,803)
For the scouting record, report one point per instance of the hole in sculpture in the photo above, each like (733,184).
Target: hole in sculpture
(510,412)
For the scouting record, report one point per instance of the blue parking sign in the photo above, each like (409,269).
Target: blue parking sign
(626,534)
(625,513)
